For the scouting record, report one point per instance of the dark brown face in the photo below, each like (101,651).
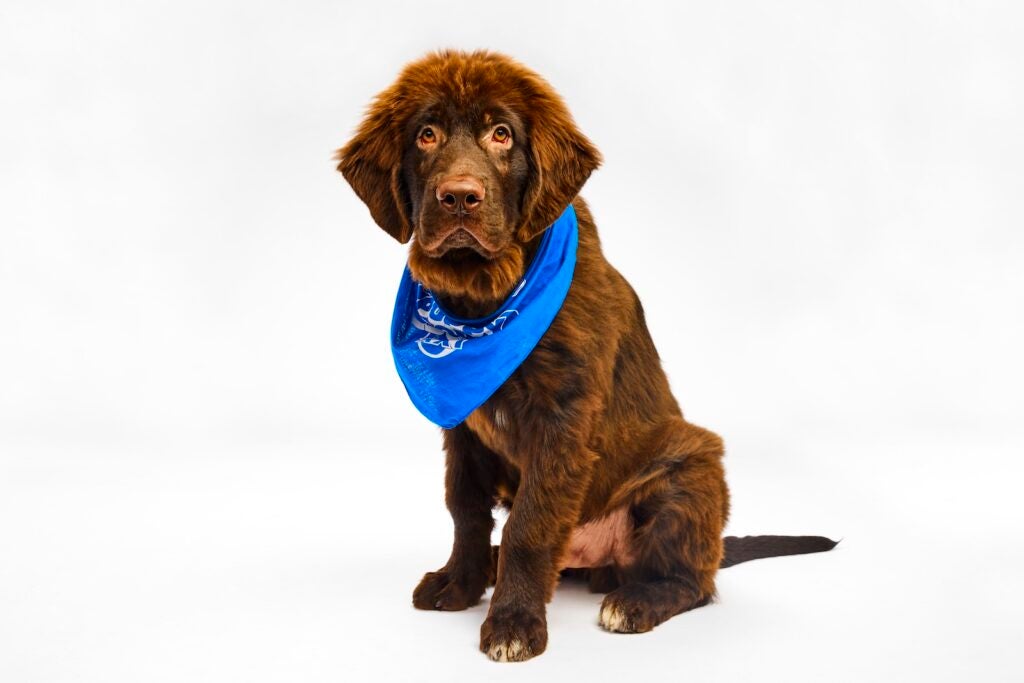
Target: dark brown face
(475,156)
(465,172)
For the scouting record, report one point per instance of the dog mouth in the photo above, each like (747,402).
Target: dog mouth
(458,238)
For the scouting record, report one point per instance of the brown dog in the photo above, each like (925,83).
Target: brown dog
(474,156)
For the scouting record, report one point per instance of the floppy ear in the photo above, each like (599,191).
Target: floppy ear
(561,160)
(371,163)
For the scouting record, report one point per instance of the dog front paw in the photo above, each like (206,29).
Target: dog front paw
(513,635)
(441,590)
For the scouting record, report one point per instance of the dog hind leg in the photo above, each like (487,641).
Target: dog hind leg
(678,505)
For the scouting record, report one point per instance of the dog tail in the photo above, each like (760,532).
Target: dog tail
(745,548)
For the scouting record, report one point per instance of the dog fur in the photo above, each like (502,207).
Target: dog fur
(584,444)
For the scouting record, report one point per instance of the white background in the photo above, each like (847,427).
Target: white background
(209,470)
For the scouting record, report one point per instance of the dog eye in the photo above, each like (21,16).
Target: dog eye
(427,136)
(501,135)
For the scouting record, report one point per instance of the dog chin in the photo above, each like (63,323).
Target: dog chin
(478,281)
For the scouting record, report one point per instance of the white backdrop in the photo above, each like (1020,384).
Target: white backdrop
(210,471)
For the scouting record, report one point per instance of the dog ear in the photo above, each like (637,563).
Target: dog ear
(371,163)
(561,160)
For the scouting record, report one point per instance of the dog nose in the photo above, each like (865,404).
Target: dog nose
(460,194)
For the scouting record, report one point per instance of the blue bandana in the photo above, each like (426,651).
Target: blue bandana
(451,365)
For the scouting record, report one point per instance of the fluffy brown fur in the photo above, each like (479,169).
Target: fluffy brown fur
(587,425)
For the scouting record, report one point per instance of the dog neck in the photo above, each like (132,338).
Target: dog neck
(467,284)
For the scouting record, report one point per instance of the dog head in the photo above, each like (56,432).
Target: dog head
(472,156)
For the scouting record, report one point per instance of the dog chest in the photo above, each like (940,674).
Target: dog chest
(491,426)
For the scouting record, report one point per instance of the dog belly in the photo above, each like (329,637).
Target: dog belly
(600,542)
